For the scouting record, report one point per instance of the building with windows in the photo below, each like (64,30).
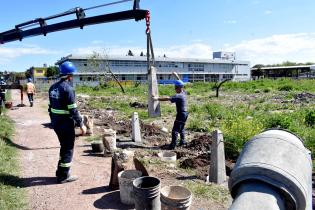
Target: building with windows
(38,73)
(274,72)
(134,68)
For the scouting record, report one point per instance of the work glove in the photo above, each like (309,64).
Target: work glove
(155,98)
(83,130)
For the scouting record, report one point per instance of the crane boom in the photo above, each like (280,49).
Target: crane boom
(42,28)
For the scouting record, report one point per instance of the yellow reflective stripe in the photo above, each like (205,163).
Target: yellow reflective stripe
(72,106)
(65,165)
(59,111)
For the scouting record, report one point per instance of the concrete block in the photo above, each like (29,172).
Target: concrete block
(153,106)
(217,173)
(136,133)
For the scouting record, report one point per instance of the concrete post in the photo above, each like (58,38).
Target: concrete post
(153,106)
(217,173)
(136,134)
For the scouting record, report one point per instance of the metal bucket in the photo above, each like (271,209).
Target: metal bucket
(147,193)
(126,185)
(175,198)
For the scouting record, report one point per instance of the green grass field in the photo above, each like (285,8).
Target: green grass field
(243,109)
(12,196)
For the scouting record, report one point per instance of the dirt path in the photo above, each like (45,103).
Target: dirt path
(39,150)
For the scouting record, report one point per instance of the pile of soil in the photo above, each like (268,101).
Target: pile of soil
(138,105)
(196,162)
(151,134)
(200,143)
(304,97)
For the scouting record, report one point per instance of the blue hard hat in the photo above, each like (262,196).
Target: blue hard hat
(67,68)
(179,83)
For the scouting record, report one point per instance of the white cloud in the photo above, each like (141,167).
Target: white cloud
(277,48)
(267,12)
(194,50)
(230,21)
(269,50)
(8,54)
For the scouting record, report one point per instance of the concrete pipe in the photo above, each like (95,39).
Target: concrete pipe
(276,168)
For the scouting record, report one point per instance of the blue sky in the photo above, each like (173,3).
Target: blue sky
(260,31)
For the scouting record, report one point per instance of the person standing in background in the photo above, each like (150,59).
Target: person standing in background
(30,90)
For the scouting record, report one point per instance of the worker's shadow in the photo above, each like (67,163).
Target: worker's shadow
(47,125)
(111,200)
(12,144)
(15,181)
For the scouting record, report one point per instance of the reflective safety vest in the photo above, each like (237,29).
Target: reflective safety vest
(62,101)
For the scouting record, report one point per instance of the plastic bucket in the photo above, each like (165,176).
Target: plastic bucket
(147,193)
(125,179)
(175,198)
(8,104)
(97,146)
(167,156)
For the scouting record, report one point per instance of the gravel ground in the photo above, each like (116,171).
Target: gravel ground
(39,151)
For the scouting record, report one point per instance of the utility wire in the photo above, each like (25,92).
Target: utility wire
(107,4)
(71,11)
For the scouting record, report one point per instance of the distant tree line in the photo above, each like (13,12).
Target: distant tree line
(285,63)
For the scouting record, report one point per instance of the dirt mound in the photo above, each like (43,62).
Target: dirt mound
(304,97)
(196,162)
(138,105)
(200,143)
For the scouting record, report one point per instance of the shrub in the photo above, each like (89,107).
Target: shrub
(195,124)
(310,118)
(267,90)
(237,131)
(285,88)
(278,121)
(214,110)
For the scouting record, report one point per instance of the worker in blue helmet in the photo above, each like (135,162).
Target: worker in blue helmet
(64,116)
(181,108)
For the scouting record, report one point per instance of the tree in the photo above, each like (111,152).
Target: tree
(52,71)
(28,73)
(130,53)
(218,85)
(100,64)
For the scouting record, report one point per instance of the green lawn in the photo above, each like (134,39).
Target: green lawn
(12,196)
(243,109)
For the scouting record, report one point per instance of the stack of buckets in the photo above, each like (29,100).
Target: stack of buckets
(145,193)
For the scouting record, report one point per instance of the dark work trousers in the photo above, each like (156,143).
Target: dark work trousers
(64,128)
(2,101)
(30,98)
(179,127)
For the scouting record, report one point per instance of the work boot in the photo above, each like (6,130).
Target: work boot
(31,104)
(171,147)
(69,179)
(183,144)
